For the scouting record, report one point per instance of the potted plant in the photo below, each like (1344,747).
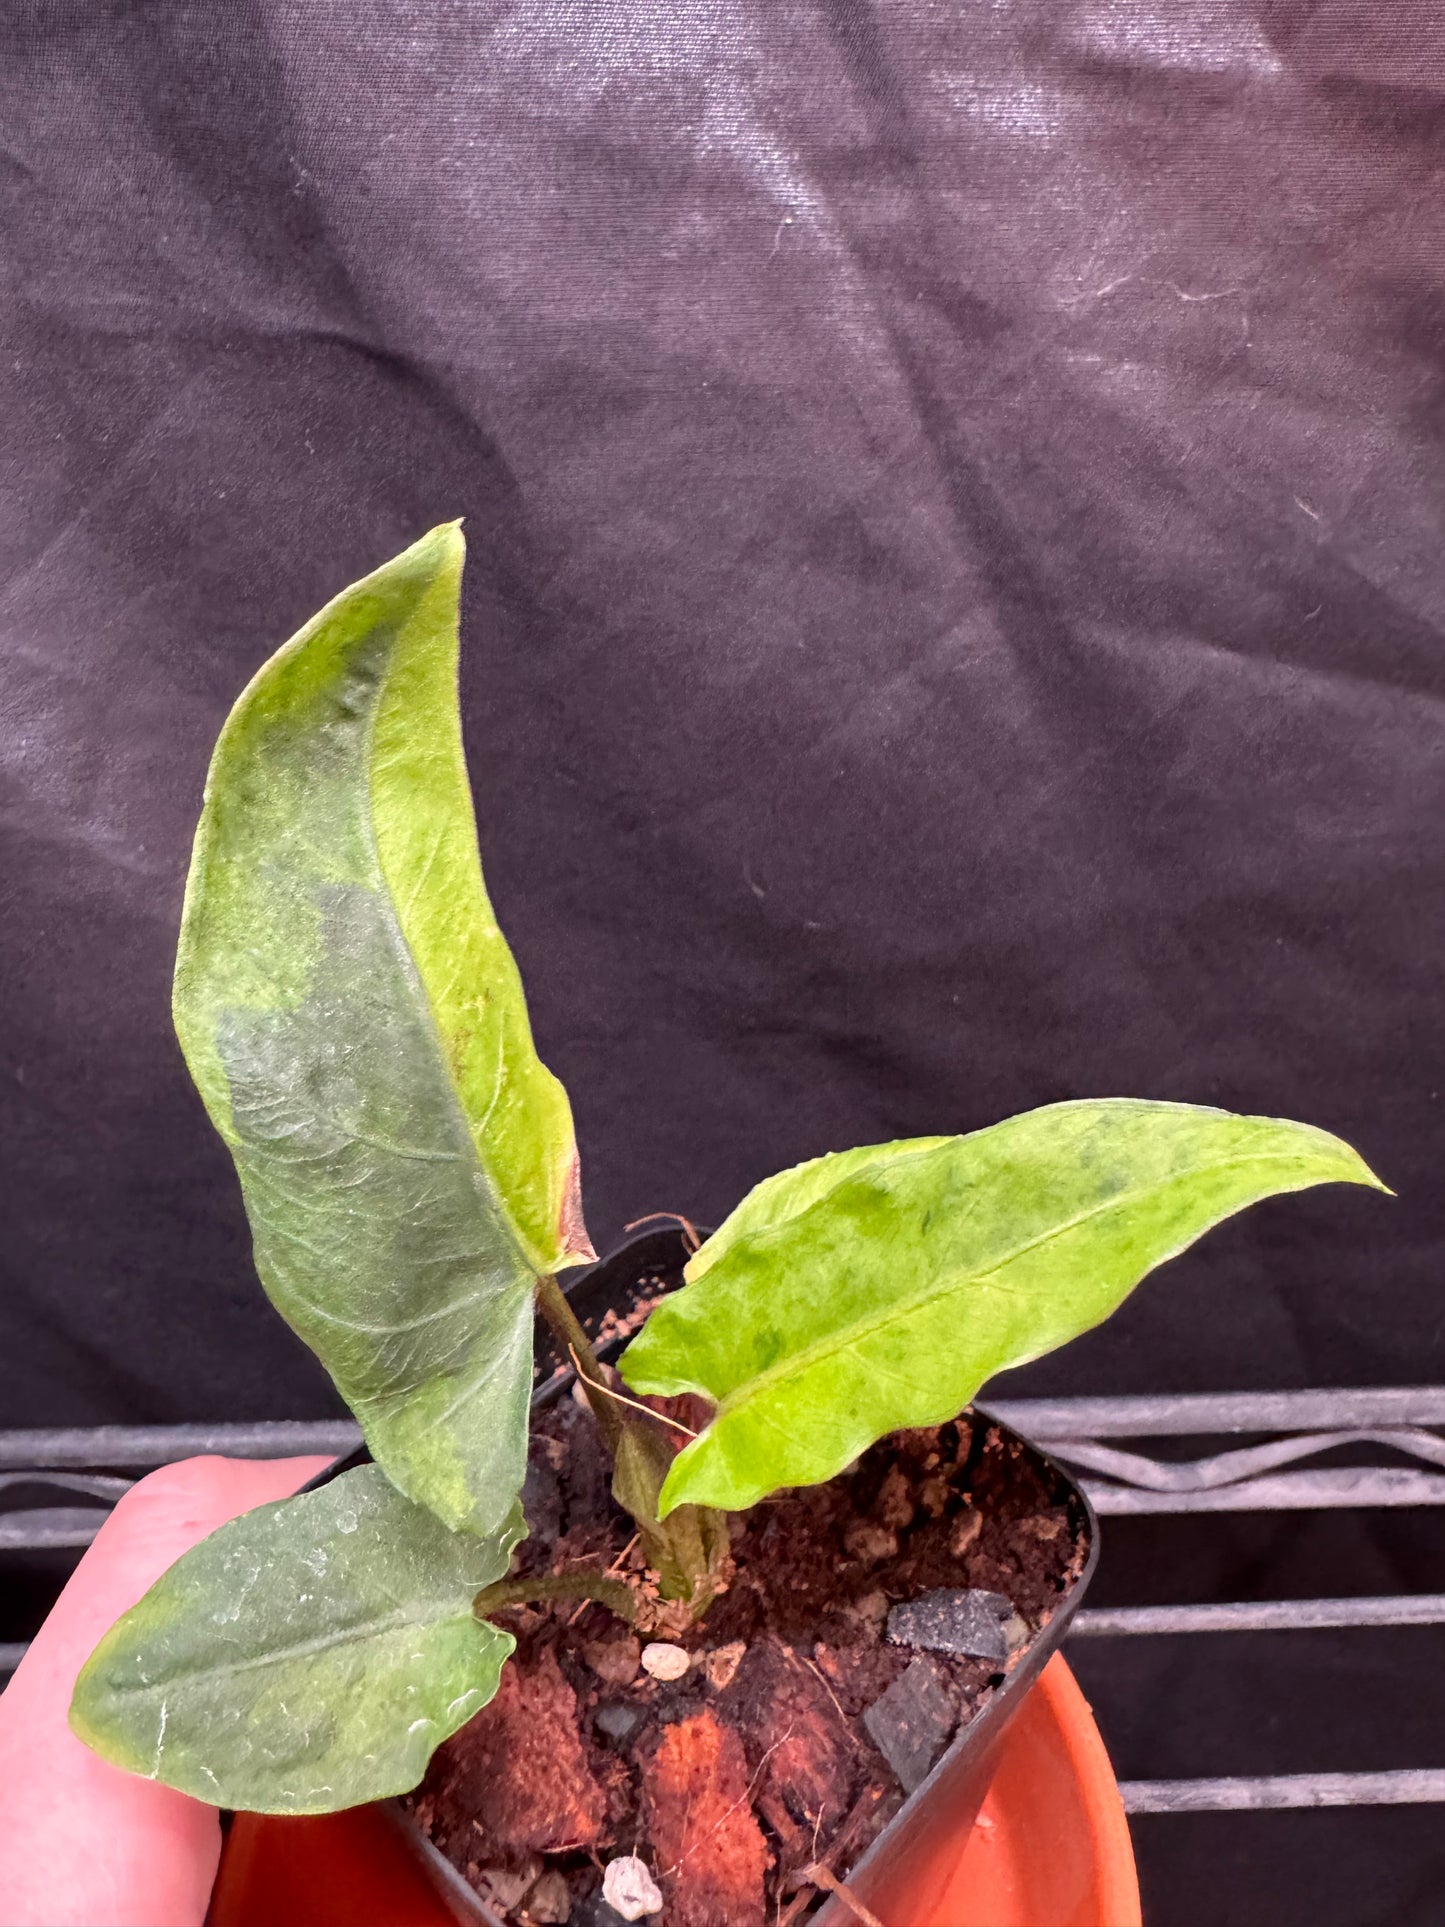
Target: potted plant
(775,1562)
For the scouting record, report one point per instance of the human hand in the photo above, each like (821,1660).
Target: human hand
(83,1844)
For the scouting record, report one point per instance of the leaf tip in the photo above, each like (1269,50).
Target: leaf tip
(438,555)
(1356,1170)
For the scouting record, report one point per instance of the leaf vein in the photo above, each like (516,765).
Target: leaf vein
(800,1362)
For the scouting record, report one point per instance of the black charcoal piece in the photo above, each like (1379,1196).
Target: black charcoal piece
(596,1913)
(971,1623)
(618,1721)
(914,1721)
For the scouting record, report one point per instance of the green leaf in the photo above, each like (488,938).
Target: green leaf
(887,1299)
(307,1656)
(355,1023)
(787,1193)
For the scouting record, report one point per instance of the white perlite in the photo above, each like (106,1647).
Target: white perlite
(665,1661)
(628,1888)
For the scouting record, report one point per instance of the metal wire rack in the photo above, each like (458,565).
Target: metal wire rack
(1400,1426)
(56,1488)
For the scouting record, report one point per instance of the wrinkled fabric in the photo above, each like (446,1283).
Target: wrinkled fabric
(954,617)
(954,621)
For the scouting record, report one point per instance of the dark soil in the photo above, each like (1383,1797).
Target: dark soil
(755,1765)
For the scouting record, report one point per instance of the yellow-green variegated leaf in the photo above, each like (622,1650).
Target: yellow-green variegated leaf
(890,1296)
(355,1023)
(787,1194)
(307,1656)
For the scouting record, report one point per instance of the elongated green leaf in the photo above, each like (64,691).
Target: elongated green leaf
(787,1194)
(890,1297)
(307,1656)
(355,1023)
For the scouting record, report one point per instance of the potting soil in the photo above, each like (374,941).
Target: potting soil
(758,1764)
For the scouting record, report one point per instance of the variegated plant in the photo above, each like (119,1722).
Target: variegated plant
(355,1023)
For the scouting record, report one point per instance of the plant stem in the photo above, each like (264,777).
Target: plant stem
(614,1593)
(570,1336)
(640,1457)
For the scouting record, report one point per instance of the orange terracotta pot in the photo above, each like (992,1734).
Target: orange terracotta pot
(1050,1848)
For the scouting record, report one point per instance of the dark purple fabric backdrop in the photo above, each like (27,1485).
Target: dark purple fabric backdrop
(955,494)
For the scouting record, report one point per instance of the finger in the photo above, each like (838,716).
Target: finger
(83,1844)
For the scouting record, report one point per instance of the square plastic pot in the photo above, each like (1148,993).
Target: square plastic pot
(1051,1848)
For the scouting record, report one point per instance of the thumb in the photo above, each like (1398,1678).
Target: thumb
(83,1844)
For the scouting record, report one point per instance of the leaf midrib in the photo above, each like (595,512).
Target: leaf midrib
(859,1329)
(412,969)
(394,1621)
